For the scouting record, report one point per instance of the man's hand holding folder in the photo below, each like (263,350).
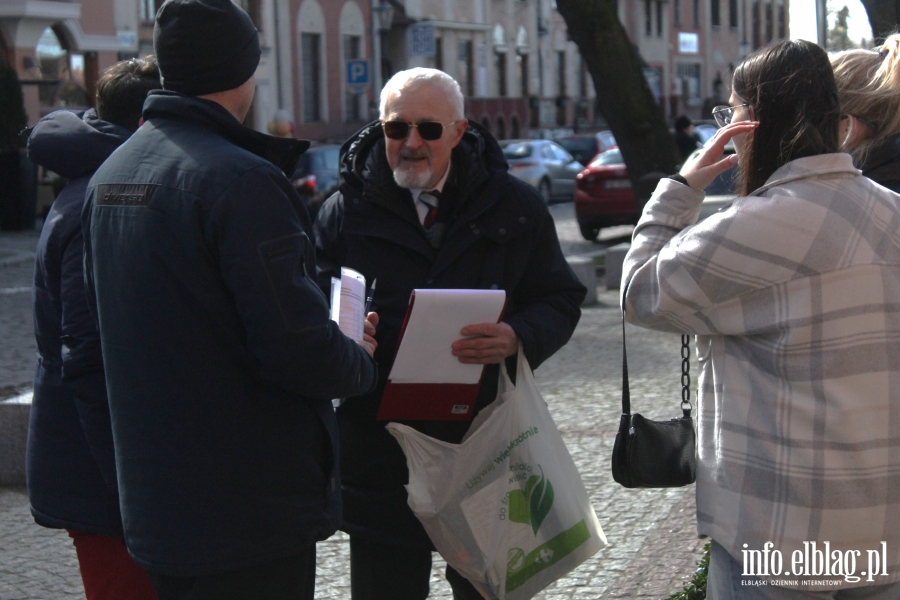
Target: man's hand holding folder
(437,372)
(486,343)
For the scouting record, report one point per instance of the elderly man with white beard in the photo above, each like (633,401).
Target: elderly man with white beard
(426,202)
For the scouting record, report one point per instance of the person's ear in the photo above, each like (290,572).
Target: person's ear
(847,133)
(140,121)
(460,129)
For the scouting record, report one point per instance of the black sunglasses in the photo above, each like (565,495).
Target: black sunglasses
(428,130)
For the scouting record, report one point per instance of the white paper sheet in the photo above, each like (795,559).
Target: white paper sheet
(348,301)
(435,322)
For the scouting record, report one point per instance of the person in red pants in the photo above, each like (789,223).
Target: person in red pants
(70,459)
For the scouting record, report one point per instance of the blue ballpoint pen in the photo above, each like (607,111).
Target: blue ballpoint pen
(369,298)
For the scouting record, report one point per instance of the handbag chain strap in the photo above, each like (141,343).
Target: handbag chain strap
(686,375)
(686,405)
(626,394)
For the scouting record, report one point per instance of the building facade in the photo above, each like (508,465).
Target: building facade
(59,48)
(520,73)
(324,60)
(691,47)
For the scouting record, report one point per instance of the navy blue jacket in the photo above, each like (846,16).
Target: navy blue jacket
(220,358)
(499,235)
(70,461)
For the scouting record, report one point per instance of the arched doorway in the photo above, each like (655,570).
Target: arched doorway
(486,122)
(514,131)
(501,128)
(66,78)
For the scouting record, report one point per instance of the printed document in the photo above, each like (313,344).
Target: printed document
(348,302)
(435,320)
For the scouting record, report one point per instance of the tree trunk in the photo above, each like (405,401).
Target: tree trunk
(884,15)
(623,96)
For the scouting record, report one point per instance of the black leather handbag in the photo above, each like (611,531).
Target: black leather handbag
(655,454)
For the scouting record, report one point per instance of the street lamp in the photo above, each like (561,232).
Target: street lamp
(382,17)
(385,15)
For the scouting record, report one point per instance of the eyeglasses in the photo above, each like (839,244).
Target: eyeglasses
(866,122)
(428,130)
(724,114)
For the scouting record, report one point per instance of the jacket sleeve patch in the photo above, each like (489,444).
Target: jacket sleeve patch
(300,302)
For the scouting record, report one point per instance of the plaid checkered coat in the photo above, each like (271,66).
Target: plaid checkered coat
(794,295)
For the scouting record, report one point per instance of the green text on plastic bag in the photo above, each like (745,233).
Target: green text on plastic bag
(547,554)
(531,505)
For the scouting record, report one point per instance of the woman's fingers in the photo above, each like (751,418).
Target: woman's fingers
(710,163)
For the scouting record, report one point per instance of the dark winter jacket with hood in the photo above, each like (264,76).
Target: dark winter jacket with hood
(882,164)
(498,235)
(220,358)
(70,461)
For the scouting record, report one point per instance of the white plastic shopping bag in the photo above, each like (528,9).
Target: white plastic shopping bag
(506,507)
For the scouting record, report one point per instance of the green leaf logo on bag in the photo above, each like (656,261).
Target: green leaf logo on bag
(531,505)
(521,567)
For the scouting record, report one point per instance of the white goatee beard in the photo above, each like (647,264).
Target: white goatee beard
(410,178)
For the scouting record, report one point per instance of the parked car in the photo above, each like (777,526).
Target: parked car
(705,130)
(584,147)
(545,165)
(316,176)
(722,190)
(604,196)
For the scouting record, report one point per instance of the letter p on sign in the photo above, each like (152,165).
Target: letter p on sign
(357,73)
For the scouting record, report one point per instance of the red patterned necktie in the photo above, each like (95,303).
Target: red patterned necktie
(425,198)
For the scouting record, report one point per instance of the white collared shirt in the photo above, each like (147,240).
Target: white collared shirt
(422,208)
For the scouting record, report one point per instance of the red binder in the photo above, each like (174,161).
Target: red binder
(428,401)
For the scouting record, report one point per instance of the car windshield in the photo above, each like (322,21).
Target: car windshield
(607,138)
(318,161)
(584,145)
(331,158)
(518,150)
(610,157)
(705,132)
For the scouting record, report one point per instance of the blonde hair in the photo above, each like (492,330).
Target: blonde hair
(868,84)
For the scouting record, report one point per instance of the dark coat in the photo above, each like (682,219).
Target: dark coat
(70,460)
(499,236)
(687,143)
(883,164)
(220,357)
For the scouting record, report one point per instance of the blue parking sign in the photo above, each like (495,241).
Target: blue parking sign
(358,72)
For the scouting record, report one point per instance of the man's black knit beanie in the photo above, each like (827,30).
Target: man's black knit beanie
(204,46)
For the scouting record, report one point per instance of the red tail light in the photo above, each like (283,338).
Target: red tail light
(305,184)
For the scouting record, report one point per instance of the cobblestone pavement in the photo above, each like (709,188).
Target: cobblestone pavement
(17,345)
(653,546)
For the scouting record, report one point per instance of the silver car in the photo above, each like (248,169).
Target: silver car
(545,165)
(722,191)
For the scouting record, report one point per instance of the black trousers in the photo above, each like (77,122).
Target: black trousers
(291,578)
(394,572)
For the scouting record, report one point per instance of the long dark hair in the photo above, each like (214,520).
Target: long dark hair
(790,87)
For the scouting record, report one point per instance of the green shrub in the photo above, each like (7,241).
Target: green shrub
(695,589)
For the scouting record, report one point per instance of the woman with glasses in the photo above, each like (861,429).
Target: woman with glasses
(868,83)
(793,295)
